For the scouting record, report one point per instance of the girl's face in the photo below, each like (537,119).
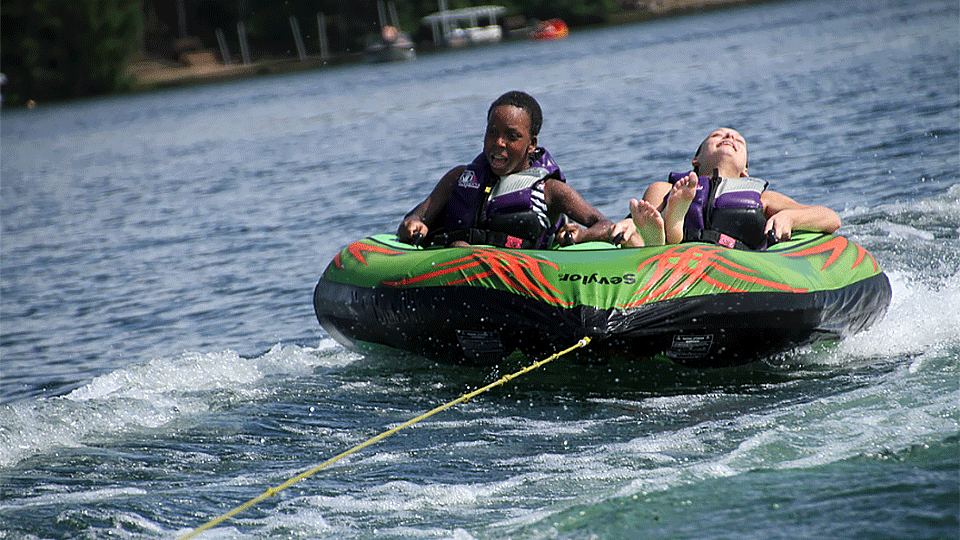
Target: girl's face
(508,141)
(724,149)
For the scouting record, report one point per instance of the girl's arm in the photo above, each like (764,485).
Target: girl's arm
(785,215)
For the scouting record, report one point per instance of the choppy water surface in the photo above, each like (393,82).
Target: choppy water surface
(161,363)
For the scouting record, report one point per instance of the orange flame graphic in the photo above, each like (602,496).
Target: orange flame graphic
(836,247)
(517,271)
(678,268)
(357,249)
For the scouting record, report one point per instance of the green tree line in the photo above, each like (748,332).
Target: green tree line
(62,49)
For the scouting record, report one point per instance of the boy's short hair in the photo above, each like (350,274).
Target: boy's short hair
(524,101)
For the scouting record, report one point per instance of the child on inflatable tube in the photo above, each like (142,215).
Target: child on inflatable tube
(512,195)
(666,215)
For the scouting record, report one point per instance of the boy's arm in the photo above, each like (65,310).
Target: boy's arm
(424,215)
(565,199)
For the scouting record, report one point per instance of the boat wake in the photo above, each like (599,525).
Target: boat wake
(161,394)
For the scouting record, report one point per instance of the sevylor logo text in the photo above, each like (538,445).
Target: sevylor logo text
(587,279)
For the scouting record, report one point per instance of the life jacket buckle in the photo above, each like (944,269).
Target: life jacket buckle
(727,241)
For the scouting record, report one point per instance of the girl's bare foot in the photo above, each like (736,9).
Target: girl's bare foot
(648,221)
(678,202)
(682,193)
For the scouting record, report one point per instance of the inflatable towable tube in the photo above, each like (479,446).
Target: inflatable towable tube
(697,304)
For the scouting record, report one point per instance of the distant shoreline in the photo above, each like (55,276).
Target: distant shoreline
(153,74)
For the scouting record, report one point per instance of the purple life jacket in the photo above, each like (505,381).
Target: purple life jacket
(726,211)
(512,206)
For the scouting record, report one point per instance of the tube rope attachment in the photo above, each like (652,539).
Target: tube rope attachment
(270,492)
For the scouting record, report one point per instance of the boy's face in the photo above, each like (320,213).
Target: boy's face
(508,141)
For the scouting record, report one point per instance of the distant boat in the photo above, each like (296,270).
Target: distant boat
(391,45)
(552,29)
(459,27)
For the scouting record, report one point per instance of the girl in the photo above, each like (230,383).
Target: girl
(750,215)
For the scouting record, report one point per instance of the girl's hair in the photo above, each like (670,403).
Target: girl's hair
(524,101)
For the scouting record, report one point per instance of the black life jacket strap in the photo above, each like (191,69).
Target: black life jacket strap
(480,237)
(720,239)
(714,237)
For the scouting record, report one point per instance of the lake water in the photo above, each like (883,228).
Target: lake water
(161,362)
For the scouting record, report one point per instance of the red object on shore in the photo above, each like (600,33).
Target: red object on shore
(552,29)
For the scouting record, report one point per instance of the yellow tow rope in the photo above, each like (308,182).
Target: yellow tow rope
(273,491)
